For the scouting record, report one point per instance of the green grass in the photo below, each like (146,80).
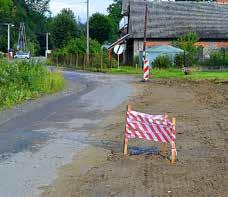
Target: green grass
(172,73)
(195,75)
(20,81)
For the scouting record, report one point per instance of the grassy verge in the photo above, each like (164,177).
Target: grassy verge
(173,73)
(195,75)
(20,81)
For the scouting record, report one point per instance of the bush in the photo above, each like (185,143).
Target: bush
(162,61)
(23,80)
(136,61)
(78,46)
(74,54)
(187,43)
(217,59)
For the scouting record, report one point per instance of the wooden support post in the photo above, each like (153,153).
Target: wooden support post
(71,59)
(84,62)
(77,60)
(173,147)
(163,149)
(125,148)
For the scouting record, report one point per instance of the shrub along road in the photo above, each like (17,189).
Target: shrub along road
(22,80)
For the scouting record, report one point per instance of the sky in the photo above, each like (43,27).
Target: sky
(79,7)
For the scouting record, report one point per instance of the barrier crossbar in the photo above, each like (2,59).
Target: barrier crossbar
(156,128)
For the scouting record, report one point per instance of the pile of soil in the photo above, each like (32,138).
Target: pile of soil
(201,110)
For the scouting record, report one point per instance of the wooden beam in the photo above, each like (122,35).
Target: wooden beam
(125,147)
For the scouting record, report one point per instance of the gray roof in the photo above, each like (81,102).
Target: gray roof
(173,19)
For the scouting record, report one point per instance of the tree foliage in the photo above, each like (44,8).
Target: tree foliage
(101,28)
(40,6)
(32,13)
(187,43)
(114,11)
(78,46)
(5,6)
(63,28)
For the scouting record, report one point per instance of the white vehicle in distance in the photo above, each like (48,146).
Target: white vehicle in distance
(22,55)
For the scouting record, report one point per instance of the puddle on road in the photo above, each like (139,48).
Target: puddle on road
(17,141)
(146,151)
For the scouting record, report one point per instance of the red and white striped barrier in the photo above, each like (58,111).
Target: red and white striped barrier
(156,128)
(146,70)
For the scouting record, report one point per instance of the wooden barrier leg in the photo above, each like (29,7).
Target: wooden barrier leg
(173,153)
(173,146)
(164,149)
(125,147)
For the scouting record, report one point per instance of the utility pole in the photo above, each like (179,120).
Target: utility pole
(8,49)
(87,50)
(47,43)
(146,67)
(145,27)
(9,25)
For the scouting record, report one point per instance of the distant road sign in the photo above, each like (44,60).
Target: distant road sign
(119,49)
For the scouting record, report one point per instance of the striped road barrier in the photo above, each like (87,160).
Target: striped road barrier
(156,128)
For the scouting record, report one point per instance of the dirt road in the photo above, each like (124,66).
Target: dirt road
(201,109)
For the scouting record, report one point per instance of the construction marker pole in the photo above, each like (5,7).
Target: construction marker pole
(125,148)
(146,70)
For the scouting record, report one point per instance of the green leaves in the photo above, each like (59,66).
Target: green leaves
(102,28)
(163,61)
(63,28)
(187,43)
(78,46)
(5,6)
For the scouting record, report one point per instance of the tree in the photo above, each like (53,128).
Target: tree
(114,11)
(187,43)
(5,6)
(64,28)
(78,45)
(32,13)
(102,28)
(40,6)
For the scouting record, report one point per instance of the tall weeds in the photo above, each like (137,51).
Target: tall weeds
(20,81)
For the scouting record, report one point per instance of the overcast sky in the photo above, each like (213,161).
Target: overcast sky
(79,6)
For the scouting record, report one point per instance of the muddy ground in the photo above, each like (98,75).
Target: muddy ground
(201,109)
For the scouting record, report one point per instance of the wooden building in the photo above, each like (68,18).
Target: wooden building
(169,20)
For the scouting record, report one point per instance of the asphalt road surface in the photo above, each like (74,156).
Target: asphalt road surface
(38,137)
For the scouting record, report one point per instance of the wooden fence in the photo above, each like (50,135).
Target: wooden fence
(79,61)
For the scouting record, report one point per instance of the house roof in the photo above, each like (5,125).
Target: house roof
(173,19)
(164,49)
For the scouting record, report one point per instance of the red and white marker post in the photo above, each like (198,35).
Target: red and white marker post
(146,70)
